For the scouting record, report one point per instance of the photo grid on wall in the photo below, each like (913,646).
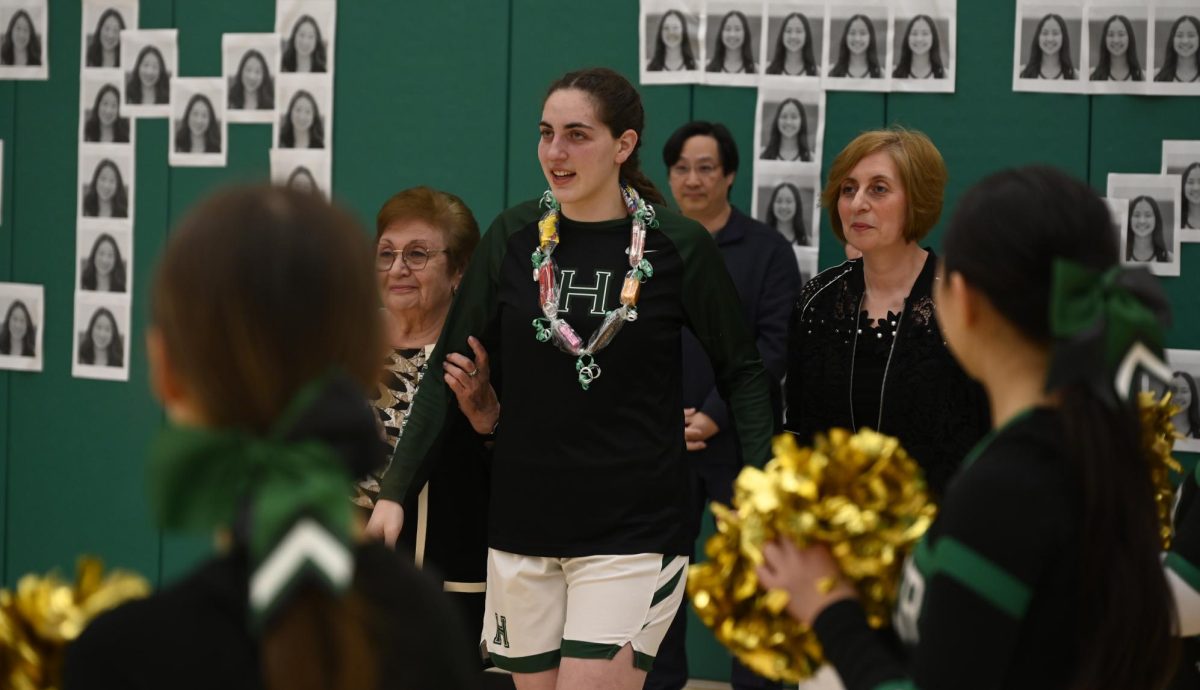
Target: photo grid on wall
(1148,47)
(793,51)
(283,79)
(843,45)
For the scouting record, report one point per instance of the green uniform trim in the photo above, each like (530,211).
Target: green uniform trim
(982,576)
(1184,569)
(665,591)
(577,649)
(896,685)
(643,661)
(527,664)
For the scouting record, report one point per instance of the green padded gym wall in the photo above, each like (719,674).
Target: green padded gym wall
(446,94)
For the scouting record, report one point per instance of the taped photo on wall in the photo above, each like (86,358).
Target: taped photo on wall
(25,41)
(789,128)
(106,186)
(858,46)
(788,204)
(102,24)
(101,337)
(22,310)
(199,130)
(1182,158)
(924,39)
(669,41)
(793,39)
(251,69)
(1048,47)
(1150,235)
(149,59)
(304,169)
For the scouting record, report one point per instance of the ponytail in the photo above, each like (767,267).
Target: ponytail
(1126,611)
(321,642)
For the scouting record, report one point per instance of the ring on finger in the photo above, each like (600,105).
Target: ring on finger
(473,373)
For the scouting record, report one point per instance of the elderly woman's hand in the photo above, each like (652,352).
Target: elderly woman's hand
(804,574)
(472,386)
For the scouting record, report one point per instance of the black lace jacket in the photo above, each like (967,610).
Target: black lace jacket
(929,403)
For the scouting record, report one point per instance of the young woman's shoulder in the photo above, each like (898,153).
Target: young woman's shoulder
(516,217)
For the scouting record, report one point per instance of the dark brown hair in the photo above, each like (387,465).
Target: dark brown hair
(619,106)
(260,291)
(442,210)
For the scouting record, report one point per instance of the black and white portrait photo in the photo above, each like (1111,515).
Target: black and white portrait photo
(149,60)
(303,115)
(806,260)
(102,120)
(198,127)
(732,31)
(789,128)
(669,32)
(858,52)
(306,35)
(25,41)
(251,68)
(787,202)
(106,186)
(1176,47)
(21,311)
(923,43)
(103,22)
(1117,45)
(1151,234)
(1047,48)
(101,336)
(307,170)
(1185,373)
(1182,158)
(793,42)
(104,260)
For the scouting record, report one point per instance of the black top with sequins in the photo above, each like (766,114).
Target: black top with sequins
(925,400)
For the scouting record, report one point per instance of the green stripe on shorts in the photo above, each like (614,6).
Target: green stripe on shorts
(589,650)
(643,661)
(665,591)
(527,664)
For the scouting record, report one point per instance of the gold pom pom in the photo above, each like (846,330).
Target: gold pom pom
(44,614)
(859,493)
(1158,439)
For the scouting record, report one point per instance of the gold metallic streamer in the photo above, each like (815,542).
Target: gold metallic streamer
(44,614)
(861,494)
(1158,439)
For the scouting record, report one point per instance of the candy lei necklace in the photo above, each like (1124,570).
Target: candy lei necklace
(550,328)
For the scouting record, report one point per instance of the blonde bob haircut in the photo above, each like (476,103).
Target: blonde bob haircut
(920,167)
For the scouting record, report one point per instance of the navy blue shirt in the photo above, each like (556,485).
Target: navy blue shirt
(764,271)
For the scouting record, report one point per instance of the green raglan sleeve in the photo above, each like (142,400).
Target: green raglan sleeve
(472,312)
(714,314)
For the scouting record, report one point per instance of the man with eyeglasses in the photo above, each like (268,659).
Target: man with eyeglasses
(702,162)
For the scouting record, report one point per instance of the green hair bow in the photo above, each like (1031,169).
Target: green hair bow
(1106,325)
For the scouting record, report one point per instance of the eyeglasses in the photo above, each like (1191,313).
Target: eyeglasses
(413,258)
(703,170)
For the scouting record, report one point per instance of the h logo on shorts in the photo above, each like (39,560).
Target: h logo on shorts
(501,631)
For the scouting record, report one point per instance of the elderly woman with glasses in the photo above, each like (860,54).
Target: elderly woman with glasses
(424,239)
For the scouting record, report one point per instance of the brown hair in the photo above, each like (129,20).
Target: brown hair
(261,290)
(444,211)
(619,106)
(919,164)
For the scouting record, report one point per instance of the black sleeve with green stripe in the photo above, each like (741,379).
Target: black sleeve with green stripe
(471,313)
(714,314)
(1000,529)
